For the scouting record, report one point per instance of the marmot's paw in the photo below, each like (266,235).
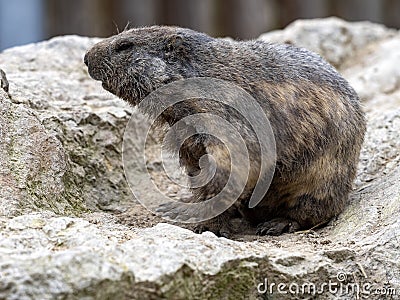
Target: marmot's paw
(277,227)
(220,232)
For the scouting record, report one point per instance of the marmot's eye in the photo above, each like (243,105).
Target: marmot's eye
(169,48)
(123,45)
(174,42)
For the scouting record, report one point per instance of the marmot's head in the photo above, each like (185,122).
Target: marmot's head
(134,63)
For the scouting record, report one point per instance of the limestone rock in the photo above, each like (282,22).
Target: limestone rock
(49,85)
(334,39)
(33,166)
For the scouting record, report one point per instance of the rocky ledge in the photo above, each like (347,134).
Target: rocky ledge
(70,227)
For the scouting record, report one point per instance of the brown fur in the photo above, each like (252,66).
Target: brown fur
(314,113)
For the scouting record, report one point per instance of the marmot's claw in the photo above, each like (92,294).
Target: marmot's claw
(200,229)
(222,232)
(277,226)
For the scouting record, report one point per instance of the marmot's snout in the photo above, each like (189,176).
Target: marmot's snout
(96,59)
(86,59)
(91,61)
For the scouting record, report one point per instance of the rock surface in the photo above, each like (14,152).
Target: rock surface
(70,228)
(54,101)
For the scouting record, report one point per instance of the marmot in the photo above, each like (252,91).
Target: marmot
(314,113)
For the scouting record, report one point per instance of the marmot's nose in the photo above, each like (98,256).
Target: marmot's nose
(85,59)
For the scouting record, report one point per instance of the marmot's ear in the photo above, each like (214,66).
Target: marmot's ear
(174,43)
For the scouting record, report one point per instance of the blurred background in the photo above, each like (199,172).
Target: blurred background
(25,21)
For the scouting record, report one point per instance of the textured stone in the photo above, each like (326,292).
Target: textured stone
(49,81)
(334,39)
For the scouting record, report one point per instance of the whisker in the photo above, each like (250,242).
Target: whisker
(108,65)
(127,27)
(116,26)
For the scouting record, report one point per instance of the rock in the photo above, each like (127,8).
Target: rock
(71,229)
(33,167)
(375,75)
(334,39)
(49,82)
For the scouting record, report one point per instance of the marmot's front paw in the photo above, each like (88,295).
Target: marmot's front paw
(221,230)
(277,227)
